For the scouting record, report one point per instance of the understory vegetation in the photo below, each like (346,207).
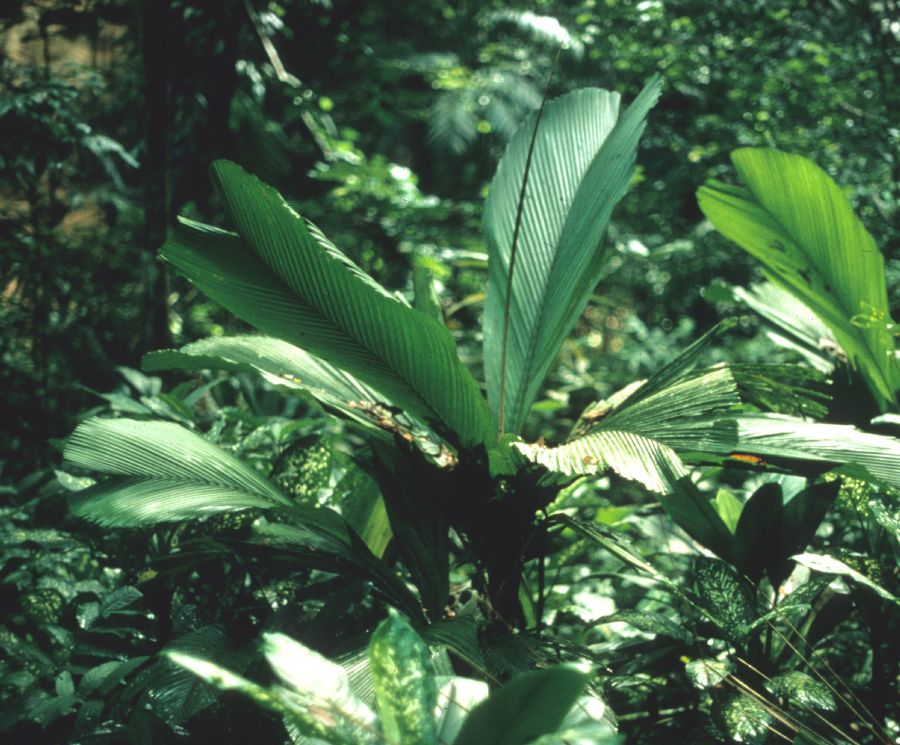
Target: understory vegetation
(450,374)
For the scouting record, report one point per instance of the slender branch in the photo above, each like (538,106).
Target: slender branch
(280,72)
(285,77)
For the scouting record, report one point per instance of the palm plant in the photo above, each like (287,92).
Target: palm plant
(455,476)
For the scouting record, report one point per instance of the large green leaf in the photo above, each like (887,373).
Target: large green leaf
(285,278)
(797,222)
(530,705)
(581,163)
(690,414)
(162,472)
(404,683)
(324,541)
(784,527)
(778,436)
(726,597)
(280,363)
(638,436)
(797,328)
(314,695)
(802,691)
(631,456)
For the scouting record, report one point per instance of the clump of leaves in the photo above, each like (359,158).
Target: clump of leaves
(456,482)
(316,697)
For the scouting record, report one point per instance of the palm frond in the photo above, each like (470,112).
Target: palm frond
(691,414)
(136,501)
(278,362)
(582,160)
(780,436)
(166,473)
(631,456)
(452,124)
(286,278)
(797,222)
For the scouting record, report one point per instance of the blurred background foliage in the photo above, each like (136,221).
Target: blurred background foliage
(382,122)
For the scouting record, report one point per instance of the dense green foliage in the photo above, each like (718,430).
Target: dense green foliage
(568,406)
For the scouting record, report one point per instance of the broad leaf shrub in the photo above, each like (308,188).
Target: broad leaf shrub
(737,456)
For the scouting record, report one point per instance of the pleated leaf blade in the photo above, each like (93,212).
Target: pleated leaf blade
(688,415)
(276,360)
(163,472)
(795,220)
(780,436)
(351,321)
(631,456)
(220,264)
(581,163)
(131,502)
(639,437)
